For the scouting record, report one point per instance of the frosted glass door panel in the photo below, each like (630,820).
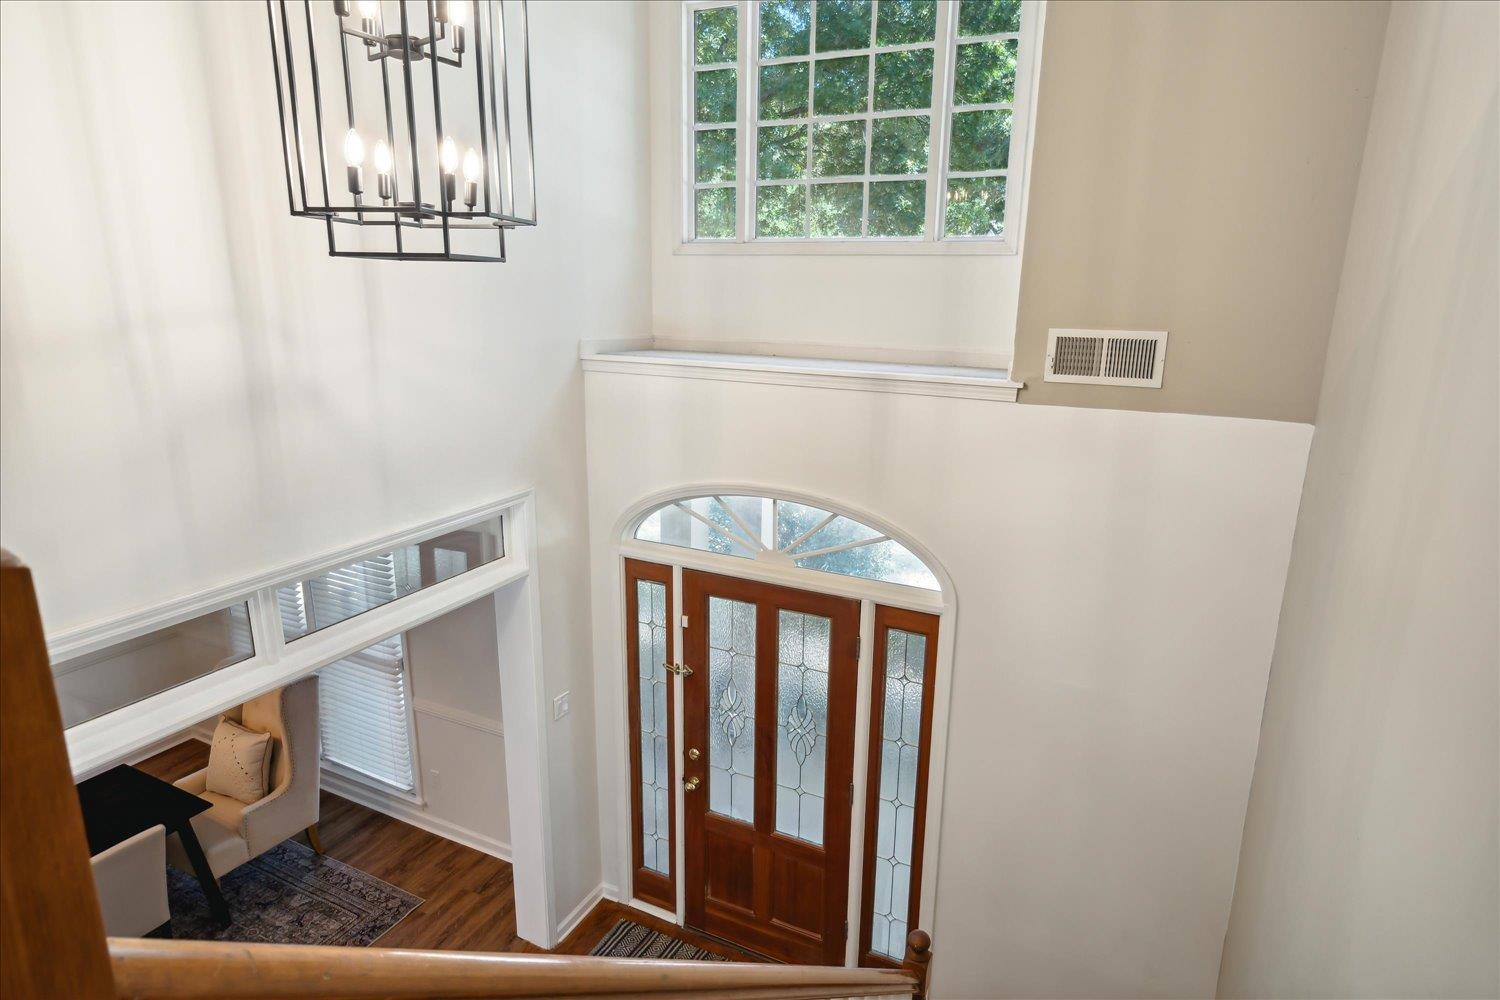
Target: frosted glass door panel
(801,724)
(651,643)
(900,738)
(731,708)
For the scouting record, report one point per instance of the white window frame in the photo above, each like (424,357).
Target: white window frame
(932,241)
(414,794)
(102,741)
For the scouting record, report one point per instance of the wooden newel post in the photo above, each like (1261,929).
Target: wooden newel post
(918,960)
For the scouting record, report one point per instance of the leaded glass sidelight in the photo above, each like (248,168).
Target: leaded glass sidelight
(785,532)
(731,708)
(651,659)
(900,723)
(801,724)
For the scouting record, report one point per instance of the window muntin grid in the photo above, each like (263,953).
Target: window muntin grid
(794,183)
(714,36)
(787,533)
(843,123)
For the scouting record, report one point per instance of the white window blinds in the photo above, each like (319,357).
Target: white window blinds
(362,698)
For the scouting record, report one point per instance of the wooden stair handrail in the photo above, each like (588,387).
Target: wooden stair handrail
(52,941)
(176,970)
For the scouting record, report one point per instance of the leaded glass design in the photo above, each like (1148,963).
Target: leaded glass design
(786,532)
(651,659)
(731,708)
(801,724)
(900,738)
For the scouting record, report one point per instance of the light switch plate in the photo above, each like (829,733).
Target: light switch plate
(560,705)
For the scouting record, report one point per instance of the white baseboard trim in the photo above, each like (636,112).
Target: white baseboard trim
(575,917)
(409,812)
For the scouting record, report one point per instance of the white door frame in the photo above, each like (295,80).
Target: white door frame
(612,721)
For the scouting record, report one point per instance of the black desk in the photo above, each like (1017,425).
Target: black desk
(122,802)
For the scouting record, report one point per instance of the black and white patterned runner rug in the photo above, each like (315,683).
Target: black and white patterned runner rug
(628,939)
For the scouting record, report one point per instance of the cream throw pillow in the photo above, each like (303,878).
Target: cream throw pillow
(239,763)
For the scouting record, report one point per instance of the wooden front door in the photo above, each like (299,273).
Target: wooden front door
(769,730)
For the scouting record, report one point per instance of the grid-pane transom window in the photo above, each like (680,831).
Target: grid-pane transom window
(872,121)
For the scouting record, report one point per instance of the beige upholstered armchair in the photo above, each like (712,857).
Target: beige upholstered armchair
(232,832)
(131,879)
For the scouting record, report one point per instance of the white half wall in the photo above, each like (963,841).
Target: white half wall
(1117,577)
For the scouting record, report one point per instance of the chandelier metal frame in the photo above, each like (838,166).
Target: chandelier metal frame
(497,188)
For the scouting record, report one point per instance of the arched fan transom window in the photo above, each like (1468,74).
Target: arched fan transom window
(786,532)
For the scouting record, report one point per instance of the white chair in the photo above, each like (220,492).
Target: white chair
(232,832)
(131,880)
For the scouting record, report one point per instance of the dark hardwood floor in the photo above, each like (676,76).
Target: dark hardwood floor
(468,901)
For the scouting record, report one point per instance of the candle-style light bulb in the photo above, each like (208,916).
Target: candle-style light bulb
(380,156)
(473,166)
(354,158)
(448,158)
(369,16)
(354,149)
(458,16)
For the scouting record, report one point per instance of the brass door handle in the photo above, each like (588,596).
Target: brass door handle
(693,753)
(680,669)
(691,784)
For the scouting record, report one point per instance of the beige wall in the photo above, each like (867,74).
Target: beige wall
(1369,865)
(1194,169)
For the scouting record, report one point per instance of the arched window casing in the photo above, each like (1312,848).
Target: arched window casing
(785,533)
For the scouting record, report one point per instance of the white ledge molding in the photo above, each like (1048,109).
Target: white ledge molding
(820,373)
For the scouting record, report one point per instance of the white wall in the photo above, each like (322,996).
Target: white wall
(1371,861)
(943,307)
(192,391)
(1117,578)
(454,664)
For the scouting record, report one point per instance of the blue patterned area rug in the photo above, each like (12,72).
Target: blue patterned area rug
(290,895)
(628,939)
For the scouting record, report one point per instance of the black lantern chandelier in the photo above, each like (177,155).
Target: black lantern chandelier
(426,107)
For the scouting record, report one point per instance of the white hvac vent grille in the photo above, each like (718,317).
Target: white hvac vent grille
(1106,357)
